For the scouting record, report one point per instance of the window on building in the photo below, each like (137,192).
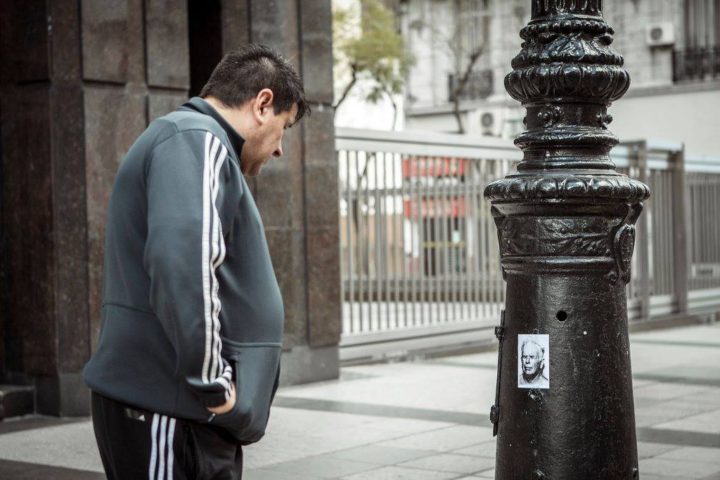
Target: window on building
(699,59)
(473,23)
(479,85)
(702,23)
(470,38)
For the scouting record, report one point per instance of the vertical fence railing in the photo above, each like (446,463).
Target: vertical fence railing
(702,201)
(654,289)
(419,256)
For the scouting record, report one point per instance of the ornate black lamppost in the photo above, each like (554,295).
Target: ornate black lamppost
(565,222)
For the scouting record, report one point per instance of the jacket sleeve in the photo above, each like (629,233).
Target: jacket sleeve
(184,248)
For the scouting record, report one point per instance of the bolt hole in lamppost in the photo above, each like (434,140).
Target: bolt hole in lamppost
(561,315)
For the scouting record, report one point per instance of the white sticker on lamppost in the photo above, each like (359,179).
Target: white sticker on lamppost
(533,361)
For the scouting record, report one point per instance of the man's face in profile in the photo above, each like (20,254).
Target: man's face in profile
(532,358)
(266,139)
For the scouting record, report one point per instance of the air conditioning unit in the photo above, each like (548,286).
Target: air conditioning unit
(660,34)
(487,120)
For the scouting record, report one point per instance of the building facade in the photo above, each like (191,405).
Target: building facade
(671,49)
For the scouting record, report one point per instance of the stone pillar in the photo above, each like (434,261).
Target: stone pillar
(297,195)
(566,232)
(79,82)
(45,317)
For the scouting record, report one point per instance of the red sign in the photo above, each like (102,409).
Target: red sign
(434,207)
(419,166)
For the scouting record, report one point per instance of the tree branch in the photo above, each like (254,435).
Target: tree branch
(348,87)
(462,82)
(389,94)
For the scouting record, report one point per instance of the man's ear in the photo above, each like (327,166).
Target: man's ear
(262,105)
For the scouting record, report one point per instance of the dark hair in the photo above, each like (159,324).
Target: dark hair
(241,74)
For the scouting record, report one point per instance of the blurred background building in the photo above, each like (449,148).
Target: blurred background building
(671,49)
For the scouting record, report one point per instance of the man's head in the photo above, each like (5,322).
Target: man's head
(533,357)
(259,93)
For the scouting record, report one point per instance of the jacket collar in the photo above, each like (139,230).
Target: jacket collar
(199,105)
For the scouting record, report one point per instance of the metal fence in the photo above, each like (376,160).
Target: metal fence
(419,256)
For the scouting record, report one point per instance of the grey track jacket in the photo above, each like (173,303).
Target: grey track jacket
(190,299)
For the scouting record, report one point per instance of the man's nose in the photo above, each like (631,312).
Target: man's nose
(278,151)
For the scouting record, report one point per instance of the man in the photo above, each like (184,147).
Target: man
(532,373)
(188,358)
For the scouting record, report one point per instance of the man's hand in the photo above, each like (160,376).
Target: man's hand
(227,406)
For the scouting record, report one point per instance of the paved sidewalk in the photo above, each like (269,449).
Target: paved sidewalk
(425,421)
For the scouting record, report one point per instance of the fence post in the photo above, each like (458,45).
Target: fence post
(644,279)
(681,226)
(566,233)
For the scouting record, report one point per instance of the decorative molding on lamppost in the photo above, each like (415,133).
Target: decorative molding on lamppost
(564,407)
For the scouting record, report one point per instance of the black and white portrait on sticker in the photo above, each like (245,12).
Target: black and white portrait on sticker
(533,361)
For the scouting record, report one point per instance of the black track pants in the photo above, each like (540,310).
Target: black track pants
(137,445)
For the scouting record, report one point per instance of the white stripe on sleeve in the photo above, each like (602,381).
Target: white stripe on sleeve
(205,255)
(213,254)
(218,257)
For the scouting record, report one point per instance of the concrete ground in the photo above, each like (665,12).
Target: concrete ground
(424,421)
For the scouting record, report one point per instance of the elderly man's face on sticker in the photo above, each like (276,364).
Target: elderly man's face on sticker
(532,358)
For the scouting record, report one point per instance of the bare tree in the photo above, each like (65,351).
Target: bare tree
(465,41)
(461,85)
